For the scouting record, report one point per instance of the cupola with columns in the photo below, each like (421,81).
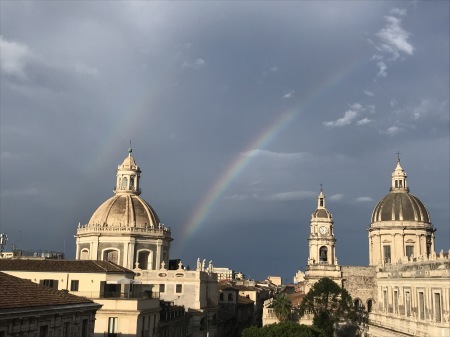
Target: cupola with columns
(128,175)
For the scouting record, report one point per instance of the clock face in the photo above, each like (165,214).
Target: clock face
(323,230)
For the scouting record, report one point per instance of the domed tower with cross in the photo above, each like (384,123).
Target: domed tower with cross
(125,229)
(322,261)
(400,228)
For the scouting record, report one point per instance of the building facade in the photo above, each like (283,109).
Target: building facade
(28,310)
(127,308)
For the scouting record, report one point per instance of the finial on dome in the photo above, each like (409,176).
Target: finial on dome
(398,156)
(130,149)
(321,188)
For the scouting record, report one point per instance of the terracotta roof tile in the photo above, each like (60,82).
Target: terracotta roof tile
(73,266)
(19,293)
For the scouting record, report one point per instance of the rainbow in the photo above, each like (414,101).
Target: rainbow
(241,161)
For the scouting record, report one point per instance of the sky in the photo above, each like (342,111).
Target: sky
(237,112)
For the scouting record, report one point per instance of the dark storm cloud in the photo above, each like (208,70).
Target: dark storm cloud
(193,84)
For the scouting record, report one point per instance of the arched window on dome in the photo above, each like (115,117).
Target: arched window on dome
(84,254)
(323,254)
(132,182)
(230,297)
(124,183)
(145,258)
(111,255)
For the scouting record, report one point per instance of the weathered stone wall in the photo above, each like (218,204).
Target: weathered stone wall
(360,282)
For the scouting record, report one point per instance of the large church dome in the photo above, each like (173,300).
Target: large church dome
(125,229)
(125,210)
(400,207)
(399,204)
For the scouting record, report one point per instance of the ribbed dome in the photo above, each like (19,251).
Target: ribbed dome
(400,206)
(125,210)
(322,213)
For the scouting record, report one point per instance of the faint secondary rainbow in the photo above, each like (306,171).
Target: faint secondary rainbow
(263,139)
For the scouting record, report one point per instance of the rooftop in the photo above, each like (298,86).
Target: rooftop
(19,293)
(72,266)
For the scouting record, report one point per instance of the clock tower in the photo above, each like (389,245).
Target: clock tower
(322,261)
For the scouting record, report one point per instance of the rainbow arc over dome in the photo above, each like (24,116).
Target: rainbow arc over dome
(263,139)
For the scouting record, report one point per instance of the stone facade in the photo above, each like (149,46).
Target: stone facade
(412,298)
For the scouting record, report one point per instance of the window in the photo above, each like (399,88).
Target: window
(112,326)
(408,303)
(74,285)
(162,288)
(124,183)
(385,300)
(369,305)
(49,283)
(421,305)
(437,307)
(84,254)
(66,329)
(409,251)
(230,297)
(132,182)
(84,328)
(323,251)
(43,331)
(395,301)
(387,253)
(111,256)
(221,296)
(143,259)
(178,288)
(321,202)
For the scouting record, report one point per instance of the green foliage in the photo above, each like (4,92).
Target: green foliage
(329,303)
(282,306)
(285,329)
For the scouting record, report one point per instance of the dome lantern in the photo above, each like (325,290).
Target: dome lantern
(399,179)
(128,175)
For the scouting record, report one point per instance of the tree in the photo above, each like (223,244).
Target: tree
(282,306)
(329,303)
(285,329)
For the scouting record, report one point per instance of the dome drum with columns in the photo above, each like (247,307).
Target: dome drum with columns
(400,226)
(125,229)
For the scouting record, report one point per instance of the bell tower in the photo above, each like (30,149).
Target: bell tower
(322,261)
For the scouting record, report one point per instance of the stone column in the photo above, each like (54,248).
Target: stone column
(158,255)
